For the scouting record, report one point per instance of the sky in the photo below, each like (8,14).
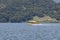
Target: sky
(57,0)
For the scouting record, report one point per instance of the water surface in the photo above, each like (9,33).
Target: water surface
(23,31)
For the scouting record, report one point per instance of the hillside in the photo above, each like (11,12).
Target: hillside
(45,19)
(24,10)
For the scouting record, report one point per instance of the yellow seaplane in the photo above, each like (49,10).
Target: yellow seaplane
(33,22)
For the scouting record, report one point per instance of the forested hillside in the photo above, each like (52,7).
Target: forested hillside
(24,10)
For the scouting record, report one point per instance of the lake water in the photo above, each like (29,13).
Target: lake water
(23,31)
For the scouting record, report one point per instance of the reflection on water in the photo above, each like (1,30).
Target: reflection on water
(23,31)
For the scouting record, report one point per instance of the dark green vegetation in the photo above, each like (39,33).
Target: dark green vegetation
(24,10)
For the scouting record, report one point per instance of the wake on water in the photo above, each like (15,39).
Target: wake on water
(45,24)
